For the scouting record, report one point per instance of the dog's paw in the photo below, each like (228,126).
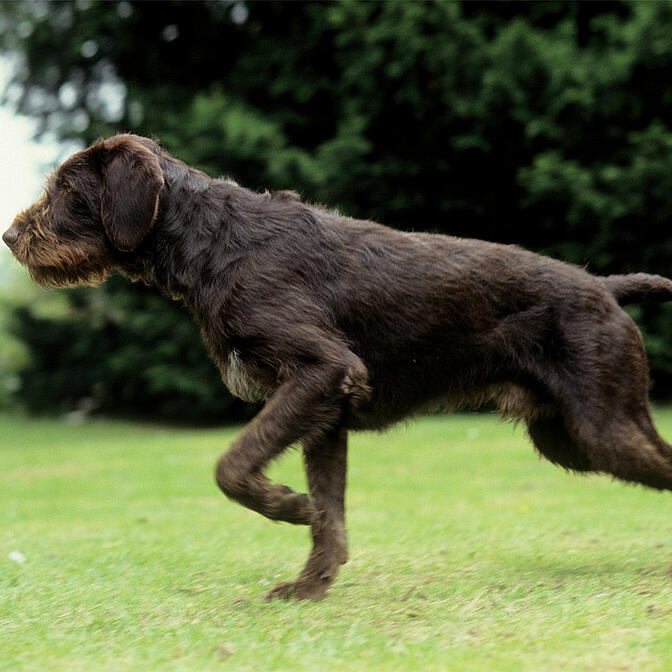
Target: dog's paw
(282,591)
(299,590)
(314,581)
(288,506)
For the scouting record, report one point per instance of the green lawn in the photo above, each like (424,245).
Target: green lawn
(467,553)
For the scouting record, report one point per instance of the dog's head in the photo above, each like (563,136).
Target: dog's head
(101,202)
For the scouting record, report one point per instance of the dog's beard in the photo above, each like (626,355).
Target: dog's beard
(50,277)
(52,264)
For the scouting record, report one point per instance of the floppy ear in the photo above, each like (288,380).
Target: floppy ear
(132,181)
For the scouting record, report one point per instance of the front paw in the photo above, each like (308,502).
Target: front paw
(299,590)
(289,506)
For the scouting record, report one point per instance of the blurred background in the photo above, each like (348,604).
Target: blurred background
(547,124)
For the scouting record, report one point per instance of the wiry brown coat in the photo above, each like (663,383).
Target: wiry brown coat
(340,324)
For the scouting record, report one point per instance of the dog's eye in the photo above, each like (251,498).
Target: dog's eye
(62,183)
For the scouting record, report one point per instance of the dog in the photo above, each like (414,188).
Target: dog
(339,324)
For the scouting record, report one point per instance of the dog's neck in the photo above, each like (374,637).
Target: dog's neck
(191,227)
(204,232)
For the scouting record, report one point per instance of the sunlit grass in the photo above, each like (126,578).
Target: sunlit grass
(467,553)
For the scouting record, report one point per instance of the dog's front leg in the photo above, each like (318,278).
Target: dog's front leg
(308,404)
(326,462)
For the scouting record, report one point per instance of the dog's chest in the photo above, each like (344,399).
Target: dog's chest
(245,381)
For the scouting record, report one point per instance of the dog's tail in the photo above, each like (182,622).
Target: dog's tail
(638,288)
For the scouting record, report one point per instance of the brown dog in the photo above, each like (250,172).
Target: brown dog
(342,324)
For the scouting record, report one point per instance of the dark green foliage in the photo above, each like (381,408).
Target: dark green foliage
(125,352)
(545,124)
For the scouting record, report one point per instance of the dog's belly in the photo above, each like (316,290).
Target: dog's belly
(511,400)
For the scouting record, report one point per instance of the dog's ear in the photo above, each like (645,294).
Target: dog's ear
(131,183)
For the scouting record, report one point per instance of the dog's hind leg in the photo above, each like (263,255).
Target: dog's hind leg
(609,418)
(620,447)
(601,419)
(630,451)
(326,463)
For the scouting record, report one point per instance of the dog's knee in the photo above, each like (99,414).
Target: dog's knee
(231,481)
(237,484)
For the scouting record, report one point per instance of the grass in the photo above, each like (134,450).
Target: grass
(467,553)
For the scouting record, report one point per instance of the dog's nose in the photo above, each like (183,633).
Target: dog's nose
(10,237)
